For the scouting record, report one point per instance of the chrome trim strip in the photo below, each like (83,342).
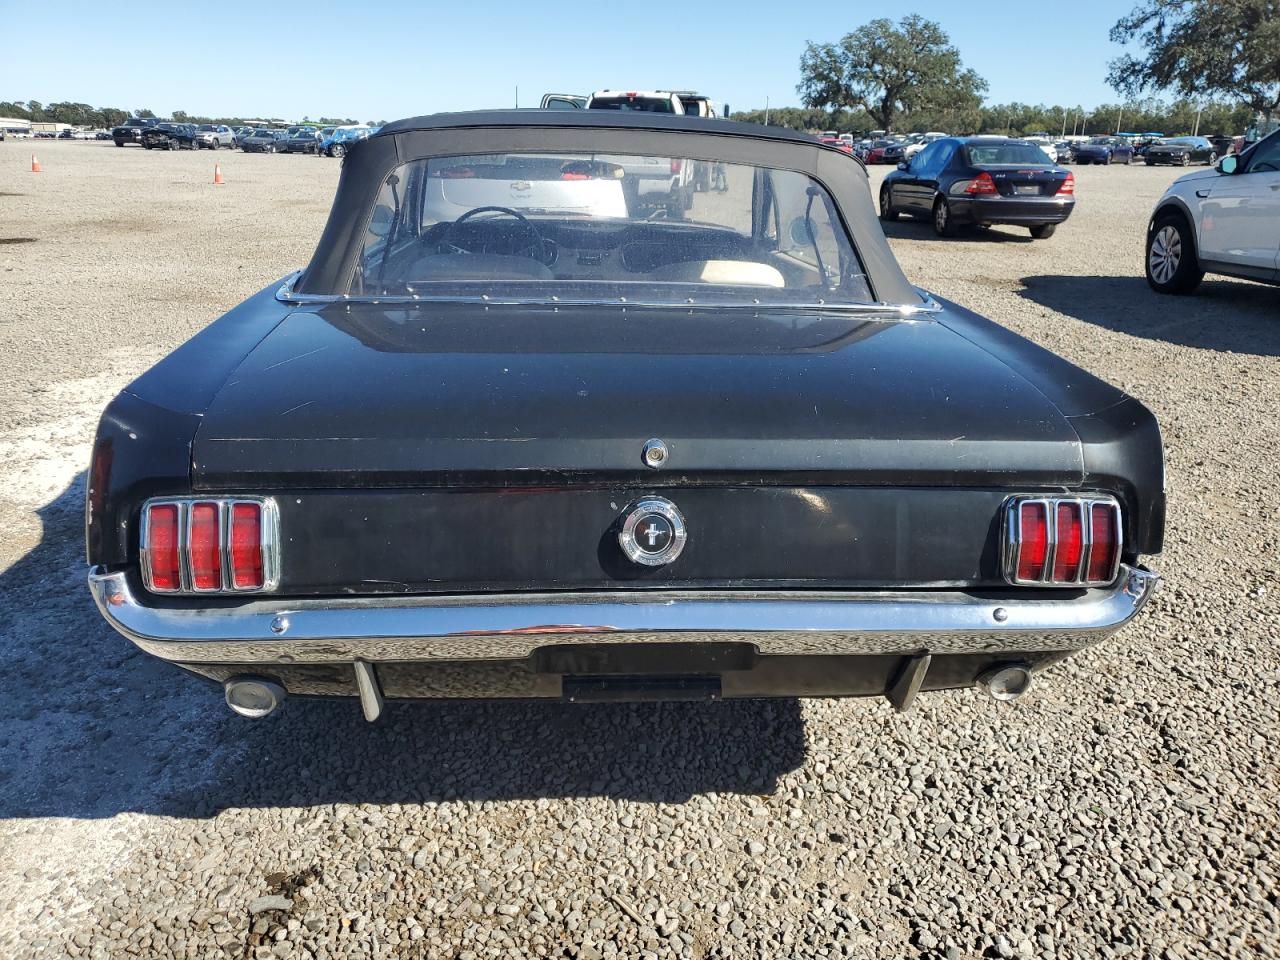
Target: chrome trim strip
(894,311)
(482,627)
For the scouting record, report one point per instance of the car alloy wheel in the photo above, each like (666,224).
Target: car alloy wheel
(1165,254)
(886,204)
(338,150)
(943,225)
(1186,160)
(1213,158)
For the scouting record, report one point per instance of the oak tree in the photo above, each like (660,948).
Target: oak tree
(888,70)
(1202,47)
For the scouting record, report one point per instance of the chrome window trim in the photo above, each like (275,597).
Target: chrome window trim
(1012,546)
(269,539)
(894,311)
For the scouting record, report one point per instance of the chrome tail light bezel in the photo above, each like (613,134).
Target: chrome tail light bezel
(1012,545)
(268,540)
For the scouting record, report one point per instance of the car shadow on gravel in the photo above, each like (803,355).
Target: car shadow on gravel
(92,727)
(1222,314)
(923,230)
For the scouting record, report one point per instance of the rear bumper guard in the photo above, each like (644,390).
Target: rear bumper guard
(456,628)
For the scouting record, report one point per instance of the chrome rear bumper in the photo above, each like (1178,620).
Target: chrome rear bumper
(504,627)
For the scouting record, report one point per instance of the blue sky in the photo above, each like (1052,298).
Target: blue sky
(385,59)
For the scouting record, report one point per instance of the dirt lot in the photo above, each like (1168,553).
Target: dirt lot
(1127,807)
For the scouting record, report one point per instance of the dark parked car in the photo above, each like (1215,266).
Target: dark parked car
(1181,151)
(131,130)
(340,140)
(1222,144)
(263,141)
(894,152)
(1103,150)
(876,152)
(170,136)
(301,140)
(529,450)
(980,181)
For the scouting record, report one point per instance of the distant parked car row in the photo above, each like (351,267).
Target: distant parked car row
(156,134)
(327,142)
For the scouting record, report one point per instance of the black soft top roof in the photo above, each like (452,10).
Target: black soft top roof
(610,119)
(370,162)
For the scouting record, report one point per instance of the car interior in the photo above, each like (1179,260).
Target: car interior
(769,233)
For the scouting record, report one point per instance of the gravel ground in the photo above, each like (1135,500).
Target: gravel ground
(1126,807)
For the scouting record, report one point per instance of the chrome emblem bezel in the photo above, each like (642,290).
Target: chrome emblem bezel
(635,514)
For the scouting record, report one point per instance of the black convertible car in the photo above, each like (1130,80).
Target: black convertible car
(964,181)
(508,435)
(1181,151)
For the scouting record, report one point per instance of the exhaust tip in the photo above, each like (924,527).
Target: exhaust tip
(1007,682)
(253,697)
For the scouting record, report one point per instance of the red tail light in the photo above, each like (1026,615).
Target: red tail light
(246,545)
(569,175)
(1033,522)
(982,183)
(1062,542)
(677,166)
(204,541)
(229,545)
(161,562)
(1068,186)
(1070,542)
(1104,551)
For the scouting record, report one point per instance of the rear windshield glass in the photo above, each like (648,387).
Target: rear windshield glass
(604,227)
(999,154)
(642,104)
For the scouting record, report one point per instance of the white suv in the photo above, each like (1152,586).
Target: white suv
(1223,220)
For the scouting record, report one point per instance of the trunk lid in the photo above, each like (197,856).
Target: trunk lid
(1026,180)
(366,395)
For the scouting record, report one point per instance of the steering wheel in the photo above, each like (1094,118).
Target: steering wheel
(535,248)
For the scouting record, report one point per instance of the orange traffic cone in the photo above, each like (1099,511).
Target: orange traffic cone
(35,164)
(217,175)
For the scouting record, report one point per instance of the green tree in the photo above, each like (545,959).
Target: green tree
(144,114)
(889,70)
(1202,47)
